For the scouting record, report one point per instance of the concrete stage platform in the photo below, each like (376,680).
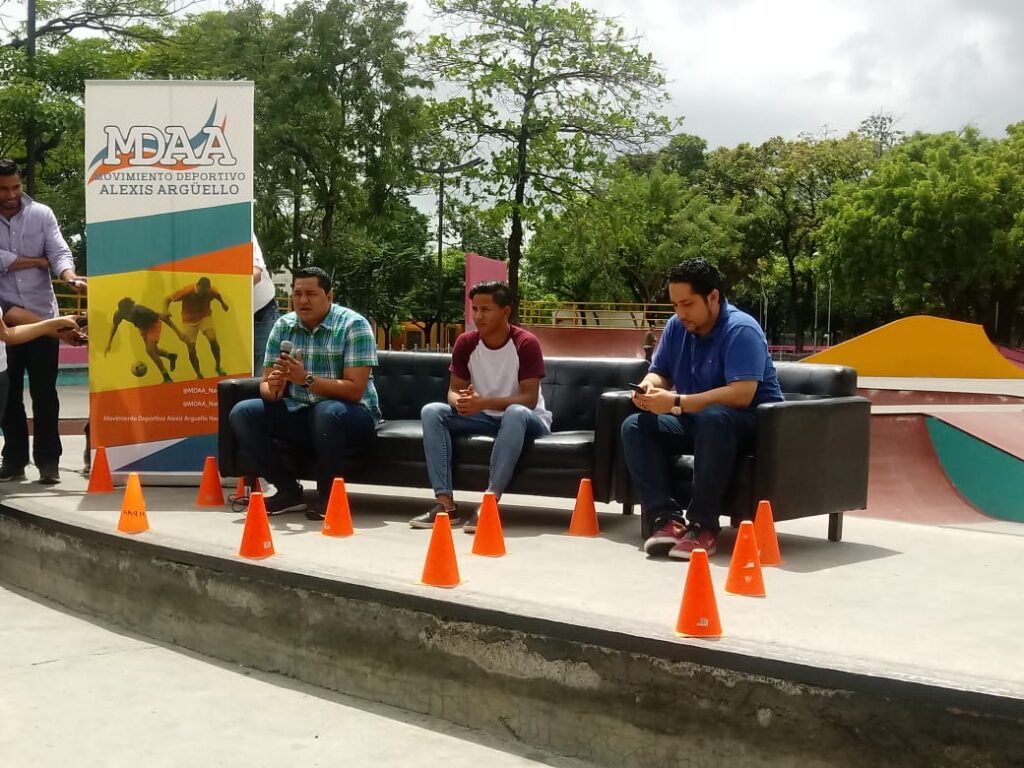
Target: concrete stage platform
(900,645)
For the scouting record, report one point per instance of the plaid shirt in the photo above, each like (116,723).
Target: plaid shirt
(344,339)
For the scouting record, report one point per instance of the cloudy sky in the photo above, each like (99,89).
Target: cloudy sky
(746,70)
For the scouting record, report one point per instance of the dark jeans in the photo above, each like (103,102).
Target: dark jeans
(263,320)
(715,437)
(39,358)
(329,428)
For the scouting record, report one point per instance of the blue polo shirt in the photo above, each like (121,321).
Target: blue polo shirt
(734,350)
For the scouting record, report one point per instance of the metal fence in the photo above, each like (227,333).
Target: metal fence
(594,314)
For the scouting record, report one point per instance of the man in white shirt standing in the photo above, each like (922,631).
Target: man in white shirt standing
(494,389)
(264,308)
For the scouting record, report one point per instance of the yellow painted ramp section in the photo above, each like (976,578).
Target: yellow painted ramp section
(922,346)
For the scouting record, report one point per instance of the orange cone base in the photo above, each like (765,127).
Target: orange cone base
(764,530)
(133,508)
(441,568)
(584,514)
(210,493)
(100,480)
(489,540)
(338,516)
(745,567)
(256,540)
(698,612)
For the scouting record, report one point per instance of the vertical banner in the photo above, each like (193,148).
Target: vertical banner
(478,269)
(168,195)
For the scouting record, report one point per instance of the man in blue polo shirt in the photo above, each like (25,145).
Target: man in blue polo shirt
(708,375)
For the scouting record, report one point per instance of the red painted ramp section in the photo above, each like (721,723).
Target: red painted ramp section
(906,481)
(1004,431)
(1015,356)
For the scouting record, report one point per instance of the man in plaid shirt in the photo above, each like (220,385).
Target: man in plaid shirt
(317,392)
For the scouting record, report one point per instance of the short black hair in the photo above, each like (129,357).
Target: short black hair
(321,277)
(701,274)
(125,305)
(203,282)
(496,289)
(9,168)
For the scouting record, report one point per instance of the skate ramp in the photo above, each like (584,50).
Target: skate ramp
(922,346)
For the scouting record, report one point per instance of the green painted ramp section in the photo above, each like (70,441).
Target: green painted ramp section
(991,479)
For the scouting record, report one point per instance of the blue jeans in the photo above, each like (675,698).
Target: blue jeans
(511,431)
(263,320)
(714,437)
(329,428)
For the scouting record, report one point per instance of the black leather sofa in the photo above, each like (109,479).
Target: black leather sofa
(580,393)
(810,455)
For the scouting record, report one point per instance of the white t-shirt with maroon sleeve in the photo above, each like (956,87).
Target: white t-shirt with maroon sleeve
(497,372)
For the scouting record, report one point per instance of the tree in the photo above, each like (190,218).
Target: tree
(619,244)
(49,26)
(781,187)
(549,88)
(936,229)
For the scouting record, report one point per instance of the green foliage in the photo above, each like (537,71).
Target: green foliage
(781,188)
(549,88)
(935,229)
(619,244)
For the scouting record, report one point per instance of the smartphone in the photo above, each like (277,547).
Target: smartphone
(636,387)
(81,321)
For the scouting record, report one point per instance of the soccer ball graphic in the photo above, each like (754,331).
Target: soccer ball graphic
(139,369)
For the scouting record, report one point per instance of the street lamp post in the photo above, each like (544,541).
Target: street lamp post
(440,171)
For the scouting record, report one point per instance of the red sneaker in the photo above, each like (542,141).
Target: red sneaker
(665,538)
(694,538)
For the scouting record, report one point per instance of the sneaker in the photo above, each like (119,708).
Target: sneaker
(426,520)
(317,512)
(283,501)
(221,372)
(172,359)
(694,538)
(9,473)
(470,525)
(49,474)
(665,538)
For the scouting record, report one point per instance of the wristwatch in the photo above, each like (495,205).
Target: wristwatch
(677,408)
(308,381)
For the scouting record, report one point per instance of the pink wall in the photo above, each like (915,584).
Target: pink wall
(590,342)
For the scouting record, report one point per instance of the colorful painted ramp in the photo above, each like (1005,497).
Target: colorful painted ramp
(982,454)
(951,468)
(922,346)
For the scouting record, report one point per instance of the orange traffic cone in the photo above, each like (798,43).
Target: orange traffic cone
(489,540)
(244,489)
(100,480)
(764,529)
(698,613)
(337,517)
(210,493)
(133,508)
(584,515)
(440,568)
(745,567)
(256,540)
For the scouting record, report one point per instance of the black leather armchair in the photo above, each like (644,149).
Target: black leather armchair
(580,393)
(810,455)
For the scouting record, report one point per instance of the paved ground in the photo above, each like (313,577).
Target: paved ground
(924,602)
(78,693)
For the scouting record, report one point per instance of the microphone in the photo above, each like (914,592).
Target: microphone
(286,347)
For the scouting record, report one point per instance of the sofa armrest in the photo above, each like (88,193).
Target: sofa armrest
(609,464)
(230,392)
(811,456)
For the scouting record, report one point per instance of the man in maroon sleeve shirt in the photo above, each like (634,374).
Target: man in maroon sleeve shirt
(494,390)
